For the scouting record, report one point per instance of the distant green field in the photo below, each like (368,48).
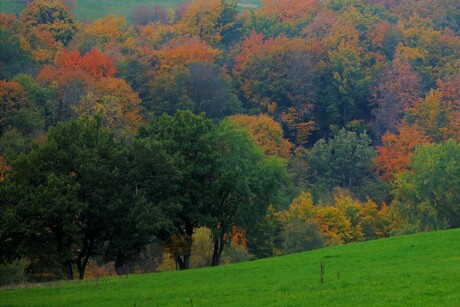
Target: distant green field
(416,270)
(88,10)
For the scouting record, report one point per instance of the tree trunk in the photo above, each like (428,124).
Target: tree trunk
(187,261)
(183,262)
(83,258)
(68,269)
(119,268)
(219,244)
(81,266)
(179,263)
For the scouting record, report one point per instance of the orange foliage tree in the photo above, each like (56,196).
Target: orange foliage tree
(86,85)
(98,64)
(94,63)
(394,154)
(181,52)
(12,98)
(450,90)
(201,20)
(115,100)
(290,10)
(439,112)
(170,87)
(41,45)
(155,35)
(276,73)
(265,132)
(106,30)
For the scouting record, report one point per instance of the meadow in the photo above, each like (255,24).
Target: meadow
(413,270)
(87,10)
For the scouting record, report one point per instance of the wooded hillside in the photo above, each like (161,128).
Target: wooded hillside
(254,132)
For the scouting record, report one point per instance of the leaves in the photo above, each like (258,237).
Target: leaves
(50,16)
(290,10)
(344,220)
(265,133)
(396,149)
(12,98)
(398,89)
(201,20)
(427,194)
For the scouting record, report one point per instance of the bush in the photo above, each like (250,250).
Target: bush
(13,272)
(299,235)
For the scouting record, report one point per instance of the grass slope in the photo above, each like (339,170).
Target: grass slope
(90,10)
(422,269)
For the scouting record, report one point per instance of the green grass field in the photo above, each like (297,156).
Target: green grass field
(88,10)
(416,270)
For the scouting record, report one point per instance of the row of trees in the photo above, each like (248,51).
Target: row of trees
(318,119)
(81,192)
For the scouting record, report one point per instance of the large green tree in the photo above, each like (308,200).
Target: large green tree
(245,184)
(221,179)
(187,139)
(58,200)
(149,191)
(428,194)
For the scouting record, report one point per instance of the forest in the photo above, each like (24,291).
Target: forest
(212,133)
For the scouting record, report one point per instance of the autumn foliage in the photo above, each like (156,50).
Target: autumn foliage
(179,53)
(94,63)
(394,153)
(282,128)
(344,220)
(49,16)
(13,97)
(87,85)
(201,20)
(265,133)
(290,10)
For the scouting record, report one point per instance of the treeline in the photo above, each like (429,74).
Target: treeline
(81,191)
(286,128)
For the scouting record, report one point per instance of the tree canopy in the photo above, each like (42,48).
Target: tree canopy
(284,127)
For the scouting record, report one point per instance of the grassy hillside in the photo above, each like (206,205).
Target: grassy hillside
(87,10)
(422,269)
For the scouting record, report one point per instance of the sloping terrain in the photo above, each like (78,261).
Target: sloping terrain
(415,270)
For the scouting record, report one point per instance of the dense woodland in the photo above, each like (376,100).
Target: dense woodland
(211,133)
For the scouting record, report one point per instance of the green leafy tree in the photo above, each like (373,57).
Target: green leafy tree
(245,184)
(13,59)
(199,87)
(187,139)
(41,98)
(149,193)
(59,196)
(299,235)
(428,194)
(210,91)
(166,94)
(223,180)
(343,161)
